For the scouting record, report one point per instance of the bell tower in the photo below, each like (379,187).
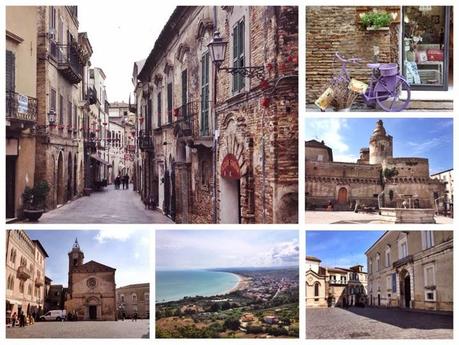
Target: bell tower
(76,258)
(380,144)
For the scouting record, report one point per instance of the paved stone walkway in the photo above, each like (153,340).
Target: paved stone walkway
(108,206)
(376,323)
(82,329)
(350,217)
(416,105)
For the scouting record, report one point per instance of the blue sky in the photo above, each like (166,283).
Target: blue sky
(340,248)
(430,138)
(125,250)
(191,249)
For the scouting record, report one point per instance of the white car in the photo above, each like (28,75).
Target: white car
(54,315)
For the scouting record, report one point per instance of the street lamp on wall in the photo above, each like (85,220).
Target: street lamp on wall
(217,50)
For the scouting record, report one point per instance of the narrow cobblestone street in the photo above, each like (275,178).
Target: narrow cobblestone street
(82,329)
(375,323)
(108,206)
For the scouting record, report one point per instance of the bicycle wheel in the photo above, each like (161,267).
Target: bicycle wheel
(388,94)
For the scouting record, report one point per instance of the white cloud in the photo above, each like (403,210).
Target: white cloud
(117,235)
(422,148)
(330,131)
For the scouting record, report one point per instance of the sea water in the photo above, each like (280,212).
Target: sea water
(175,285)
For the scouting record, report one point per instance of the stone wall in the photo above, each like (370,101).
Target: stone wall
(337,29)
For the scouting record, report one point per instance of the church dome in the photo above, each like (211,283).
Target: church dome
(379,130)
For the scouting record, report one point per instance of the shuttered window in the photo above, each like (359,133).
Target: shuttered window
(184,92)
(159,109)
(61,110)
(169,102)
(205,94)
(10,71)
(69,114)
(238,55)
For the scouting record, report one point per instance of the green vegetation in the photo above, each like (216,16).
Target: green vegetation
(376,19)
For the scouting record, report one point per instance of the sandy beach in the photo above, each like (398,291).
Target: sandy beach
(242,284)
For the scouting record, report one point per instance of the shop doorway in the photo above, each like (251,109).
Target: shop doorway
(427,46)
(10,186)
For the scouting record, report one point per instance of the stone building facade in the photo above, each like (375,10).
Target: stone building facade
(21,103)
(334,286)
(376,171)
(447,178)
(412,270)
(25,274)
(190,142)
(133,299)
(121,140)
(60,66)
(91,288)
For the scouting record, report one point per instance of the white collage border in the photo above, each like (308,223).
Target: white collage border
(301,227)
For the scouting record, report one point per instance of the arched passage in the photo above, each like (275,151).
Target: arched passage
(60,179)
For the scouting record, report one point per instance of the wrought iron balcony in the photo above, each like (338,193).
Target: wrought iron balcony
(185,117)
(145,142)
(403,261)
(68,61)
(337,282)
(23,273)
(21,108)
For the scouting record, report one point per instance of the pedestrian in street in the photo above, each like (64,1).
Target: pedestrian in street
(13,319)
(126,180)
(117,182)
(134,317)
(22,319)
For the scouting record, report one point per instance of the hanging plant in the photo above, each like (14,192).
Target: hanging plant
(265,101)
(264,84)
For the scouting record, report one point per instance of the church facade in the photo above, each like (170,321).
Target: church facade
(91,288)
(397,182)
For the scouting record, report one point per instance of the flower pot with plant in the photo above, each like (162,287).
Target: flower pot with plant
(34,200)
(376,20)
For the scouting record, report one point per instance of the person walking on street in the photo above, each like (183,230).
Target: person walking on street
(13,319)
(117,182)
(22,319)
(126,180)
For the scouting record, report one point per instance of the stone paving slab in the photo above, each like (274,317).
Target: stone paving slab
(108,206)
(376,323)
(350,217)
(82,329)
(417,105)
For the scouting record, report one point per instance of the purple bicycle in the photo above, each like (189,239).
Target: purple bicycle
(384,88)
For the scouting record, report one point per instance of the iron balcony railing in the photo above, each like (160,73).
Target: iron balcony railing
(23,273)
(68,61)
(403,261)
(20,107)
(185,117)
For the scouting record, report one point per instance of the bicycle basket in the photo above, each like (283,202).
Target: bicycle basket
(388,69)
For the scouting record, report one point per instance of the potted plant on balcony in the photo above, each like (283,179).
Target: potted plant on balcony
(34,200)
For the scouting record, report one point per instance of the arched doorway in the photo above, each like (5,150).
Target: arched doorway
(93,307)
(405,289)
(60,180)
(69,193)
(342,195)
(230,191)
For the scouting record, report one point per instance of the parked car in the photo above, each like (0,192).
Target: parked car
(54,315)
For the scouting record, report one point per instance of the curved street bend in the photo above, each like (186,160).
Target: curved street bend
(109,206)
